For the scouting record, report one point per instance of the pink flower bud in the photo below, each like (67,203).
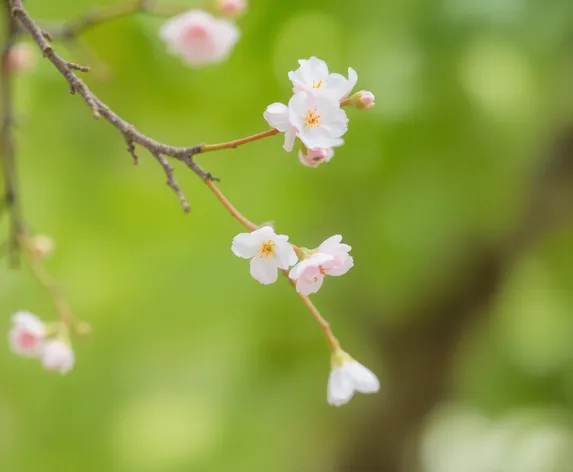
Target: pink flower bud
(57,355)
(22,56)
(315,157)
(27,334)
(231,8)
(199,38)
(366,99)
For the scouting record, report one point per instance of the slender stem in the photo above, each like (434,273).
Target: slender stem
(44,279)
(331,339)
(227,204)
(238,142)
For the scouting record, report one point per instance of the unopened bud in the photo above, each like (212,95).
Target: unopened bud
(314,157)
(42,245)
(231,8)
(22,56)
(362,100)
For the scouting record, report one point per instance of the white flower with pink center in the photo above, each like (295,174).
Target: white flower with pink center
(57,355)
(27,334)
(312,76)
(268,252)
(331,258)
(199,38)
(315,157)
(318,120)
(231,8)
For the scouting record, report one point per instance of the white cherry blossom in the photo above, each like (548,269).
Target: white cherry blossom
(57,355)
(268,252)
(313,76)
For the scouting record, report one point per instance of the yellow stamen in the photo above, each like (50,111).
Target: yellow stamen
(267,249)
(312,120)
(316,84)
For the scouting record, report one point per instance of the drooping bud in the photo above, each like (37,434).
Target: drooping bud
(57,355)
(314,157)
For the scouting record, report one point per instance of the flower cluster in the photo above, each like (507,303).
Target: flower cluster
(268,252)
(31,337)
(314,114)
(200,38)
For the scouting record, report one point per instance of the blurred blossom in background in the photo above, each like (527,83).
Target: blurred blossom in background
(192,365)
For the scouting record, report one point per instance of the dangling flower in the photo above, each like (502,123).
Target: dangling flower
(27,334)
(57,355)
(348,376)
(314,157)
(331,258)
(312,76)
(199,38)
(268,252)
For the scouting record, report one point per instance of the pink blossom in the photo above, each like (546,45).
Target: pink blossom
(331,258)
(231,8)
(57,355)
(315,157)
(27,334)
(199,38)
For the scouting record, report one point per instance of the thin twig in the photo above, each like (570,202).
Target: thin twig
(171,180)
(75,28)
(238,142)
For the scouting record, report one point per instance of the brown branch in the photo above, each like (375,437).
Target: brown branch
(11,199)
(100,109)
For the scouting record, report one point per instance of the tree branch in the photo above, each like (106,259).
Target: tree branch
(100,109)
(11,201)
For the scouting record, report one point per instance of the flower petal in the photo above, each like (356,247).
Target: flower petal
(363,379)
(245,245)
(277,116)
(340,389)
(264,270)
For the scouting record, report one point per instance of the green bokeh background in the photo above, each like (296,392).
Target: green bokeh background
(192,365)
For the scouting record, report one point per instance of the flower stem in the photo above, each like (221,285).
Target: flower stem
(54,289)
(238,142)
(331,339)
(227,204)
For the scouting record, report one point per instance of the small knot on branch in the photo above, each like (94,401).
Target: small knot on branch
(78,67)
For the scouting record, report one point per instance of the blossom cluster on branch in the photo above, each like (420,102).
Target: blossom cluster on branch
(314,121)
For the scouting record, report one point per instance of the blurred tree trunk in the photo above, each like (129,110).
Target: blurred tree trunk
(420,353)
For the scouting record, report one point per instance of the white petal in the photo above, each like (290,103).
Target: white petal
(343,263)
(276,116)
(340,389)
(264,269)
(363,379)
(330,242)
(285,255)
(245,245)
(290,137)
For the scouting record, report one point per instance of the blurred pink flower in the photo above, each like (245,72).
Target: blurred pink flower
(22,56)
(27,334)
(199,38)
